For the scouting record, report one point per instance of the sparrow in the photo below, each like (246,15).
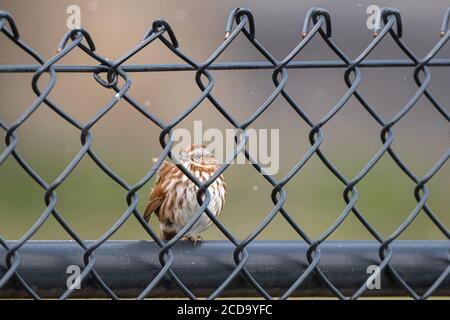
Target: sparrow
(174,196)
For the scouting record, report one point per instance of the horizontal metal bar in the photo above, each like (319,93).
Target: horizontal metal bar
(128,266)
(246,65)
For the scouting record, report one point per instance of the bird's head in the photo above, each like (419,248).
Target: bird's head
(198,154)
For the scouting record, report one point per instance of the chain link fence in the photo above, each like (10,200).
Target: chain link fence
(113,75)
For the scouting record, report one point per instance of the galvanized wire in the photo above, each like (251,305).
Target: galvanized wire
(107,73)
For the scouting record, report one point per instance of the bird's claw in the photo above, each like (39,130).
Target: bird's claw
(192,238)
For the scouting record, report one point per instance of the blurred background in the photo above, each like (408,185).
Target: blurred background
(91,202)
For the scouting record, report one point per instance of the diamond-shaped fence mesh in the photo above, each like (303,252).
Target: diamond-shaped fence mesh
(113,75)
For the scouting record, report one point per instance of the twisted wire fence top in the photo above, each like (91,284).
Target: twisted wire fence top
(113,75)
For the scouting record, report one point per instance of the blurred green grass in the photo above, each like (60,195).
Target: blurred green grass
(91,202)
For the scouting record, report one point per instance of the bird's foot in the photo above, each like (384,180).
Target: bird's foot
(192,238)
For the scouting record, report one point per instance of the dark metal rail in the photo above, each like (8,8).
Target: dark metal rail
(128,266)
(238,65)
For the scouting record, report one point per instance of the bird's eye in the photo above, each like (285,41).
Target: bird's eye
(197,155)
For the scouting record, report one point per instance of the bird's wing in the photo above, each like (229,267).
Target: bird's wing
(152,205)
(158,195)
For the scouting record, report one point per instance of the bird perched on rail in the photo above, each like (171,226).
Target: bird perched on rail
(174,197)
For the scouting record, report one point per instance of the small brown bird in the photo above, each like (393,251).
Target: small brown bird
(174,197)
